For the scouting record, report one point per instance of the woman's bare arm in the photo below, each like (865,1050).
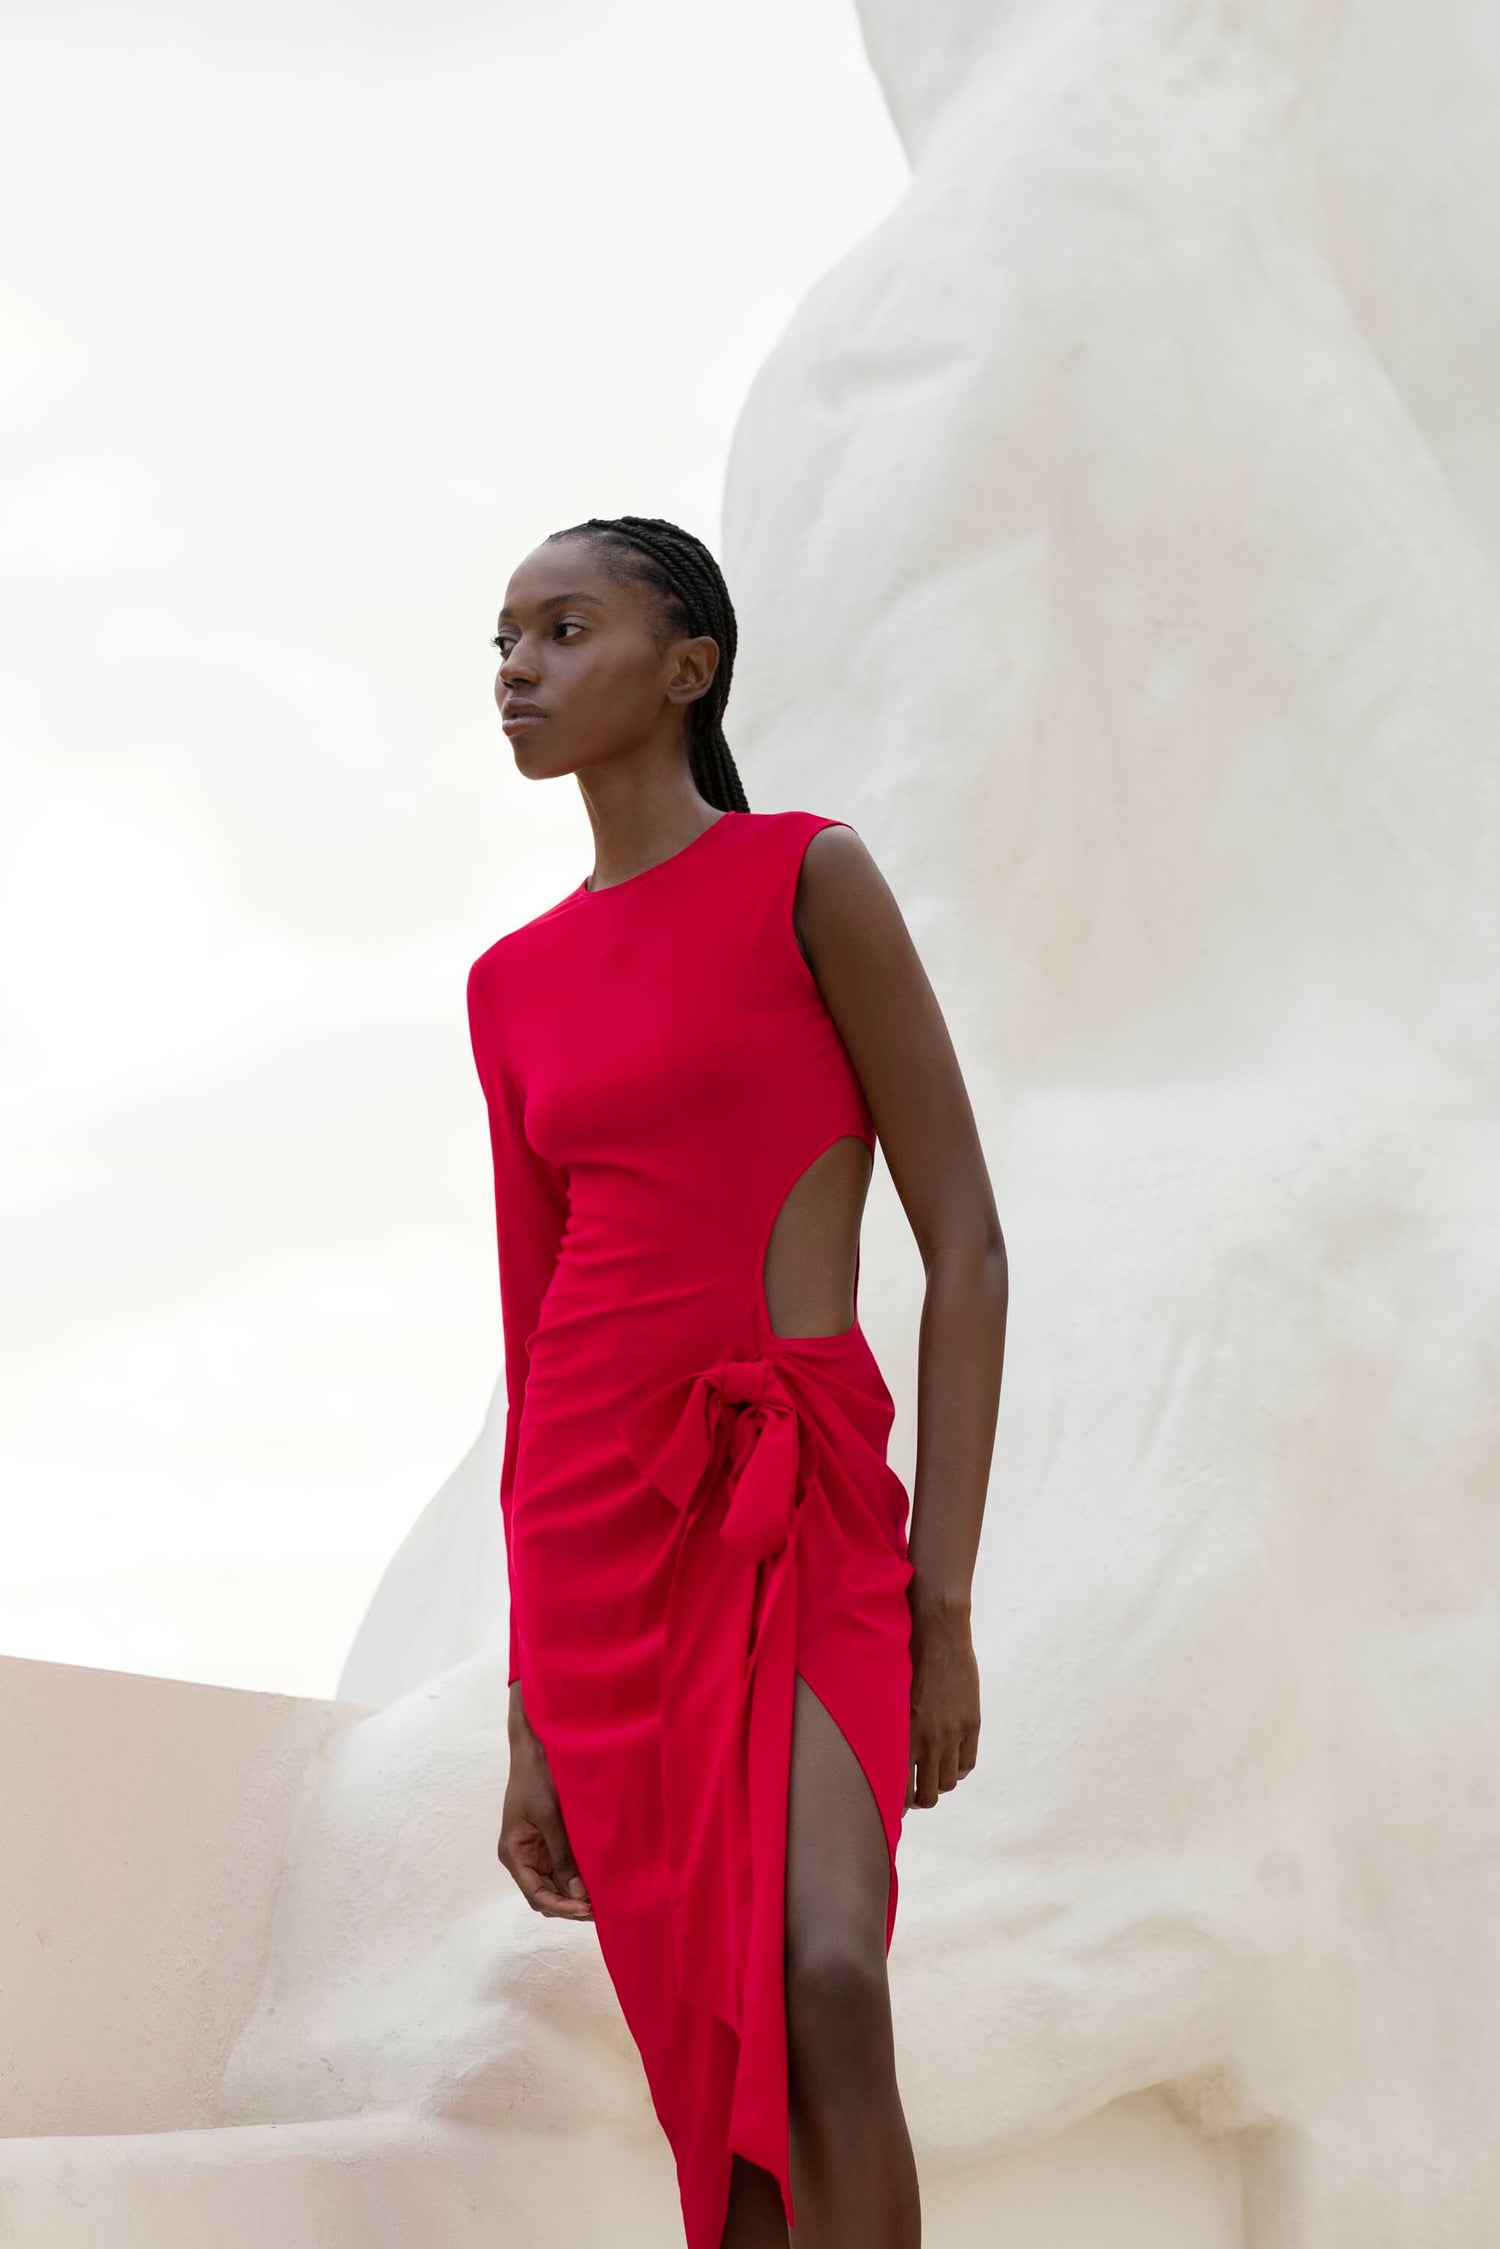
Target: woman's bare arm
(867,967)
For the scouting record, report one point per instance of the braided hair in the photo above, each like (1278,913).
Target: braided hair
(681,570)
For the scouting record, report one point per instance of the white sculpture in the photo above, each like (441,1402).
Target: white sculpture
(1113,535)
(1114,539)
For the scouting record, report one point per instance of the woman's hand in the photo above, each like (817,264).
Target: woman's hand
(534,1847)
(944,1700)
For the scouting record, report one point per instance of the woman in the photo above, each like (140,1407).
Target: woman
(731,1670)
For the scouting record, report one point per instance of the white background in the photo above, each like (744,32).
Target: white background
(316,318)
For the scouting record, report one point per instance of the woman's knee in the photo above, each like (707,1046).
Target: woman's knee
(838,2009)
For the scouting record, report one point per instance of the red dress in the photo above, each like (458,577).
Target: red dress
(695,1507)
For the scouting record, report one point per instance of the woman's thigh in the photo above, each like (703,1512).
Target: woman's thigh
(837,1889)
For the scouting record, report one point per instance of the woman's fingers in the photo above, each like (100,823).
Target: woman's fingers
(924,1790)
(938,1764)
(543,1896)
(527,1858)
(564,1868)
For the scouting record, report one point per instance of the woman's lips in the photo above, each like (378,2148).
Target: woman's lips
(520,720)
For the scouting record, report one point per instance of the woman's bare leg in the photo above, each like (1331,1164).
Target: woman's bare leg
(756,2219)
(854,2181)
(853,2178)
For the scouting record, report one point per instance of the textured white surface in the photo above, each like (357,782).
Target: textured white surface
(147,1832)
(455,1545)
(136,1907)
(1113,535)
(1130,2178)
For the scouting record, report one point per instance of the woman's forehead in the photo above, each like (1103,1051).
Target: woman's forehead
(568,571)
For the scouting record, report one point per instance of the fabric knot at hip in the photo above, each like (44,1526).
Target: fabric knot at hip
(733,1449)
(739,1417)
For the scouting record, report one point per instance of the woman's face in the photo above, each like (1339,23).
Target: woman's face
(583,650)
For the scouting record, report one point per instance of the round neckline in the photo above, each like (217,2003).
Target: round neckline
(628,882)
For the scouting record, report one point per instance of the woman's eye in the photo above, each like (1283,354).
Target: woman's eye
(506,641)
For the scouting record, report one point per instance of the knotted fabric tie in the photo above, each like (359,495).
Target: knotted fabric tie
(733,1450)
(739,1412)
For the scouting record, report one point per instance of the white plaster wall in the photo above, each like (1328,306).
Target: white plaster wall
(1130,2178)
(136,1913)
(146,1833)
(1113,535)
(457,1545)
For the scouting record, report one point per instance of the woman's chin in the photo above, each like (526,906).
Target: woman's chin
(530,749)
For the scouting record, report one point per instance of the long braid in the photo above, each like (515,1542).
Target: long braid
(685,574)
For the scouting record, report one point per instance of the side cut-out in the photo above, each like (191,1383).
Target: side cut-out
(812,1258)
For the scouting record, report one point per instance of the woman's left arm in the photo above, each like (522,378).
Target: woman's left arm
(859,948)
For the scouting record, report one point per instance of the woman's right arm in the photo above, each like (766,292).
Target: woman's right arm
(530,1213)
(534,1847)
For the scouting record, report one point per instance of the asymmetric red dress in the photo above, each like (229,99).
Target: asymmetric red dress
(696,1508)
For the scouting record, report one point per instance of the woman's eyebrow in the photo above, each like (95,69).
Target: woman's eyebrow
(555,601)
